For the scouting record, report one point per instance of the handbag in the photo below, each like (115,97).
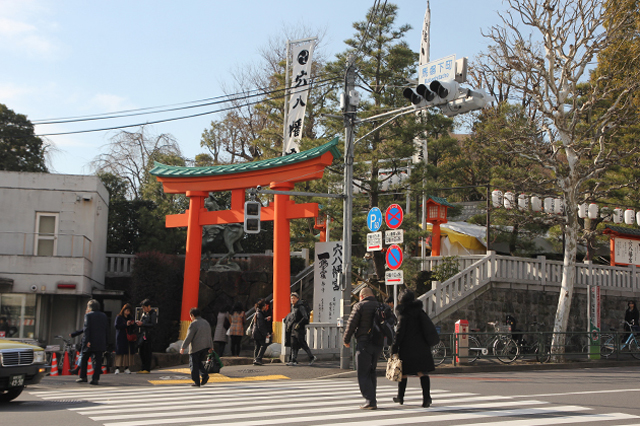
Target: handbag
(132,337)
(213,364)
(394,368)
(250,328)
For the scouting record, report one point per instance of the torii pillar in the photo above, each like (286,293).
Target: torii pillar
(279,173)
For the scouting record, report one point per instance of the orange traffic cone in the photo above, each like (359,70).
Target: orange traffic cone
(54,365)
(89,367)
(65,365)
(104,369)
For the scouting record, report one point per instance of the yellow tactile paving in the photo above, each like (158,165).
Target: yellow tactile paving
(215,378)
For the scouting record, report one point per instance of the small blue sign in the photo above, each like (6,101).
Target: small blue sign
(374,219)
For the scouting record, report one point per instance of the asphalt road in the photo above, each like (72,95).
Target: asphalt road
(591,392)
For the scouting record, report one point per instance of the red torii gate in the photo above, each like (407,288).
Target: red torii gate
(279,173)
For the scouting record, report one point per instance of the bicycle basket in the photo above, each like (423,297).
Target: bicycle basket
(502,328)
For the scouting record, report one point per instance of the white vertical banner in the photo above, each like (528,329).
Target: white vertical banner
(300,78)
(326,274)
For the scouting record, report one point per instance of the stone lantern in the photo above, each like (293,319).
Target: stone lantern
(436,215)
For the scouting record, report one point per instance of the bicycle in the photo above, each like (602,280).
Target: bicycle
(609,344)
(439,353)
(68,347)
(501,344)
(534,348)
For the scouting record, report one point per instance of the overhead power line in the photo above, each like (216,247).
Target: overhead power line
(169,108)
(281,91)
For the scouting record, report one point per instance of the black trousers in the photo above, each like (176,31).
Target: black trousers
(196,367)
(236,344)
(259,349)
(145,355)
(96,361)
(367,356)
(296,345)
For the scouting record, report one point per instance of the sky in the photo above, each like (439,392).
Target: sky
(70,58)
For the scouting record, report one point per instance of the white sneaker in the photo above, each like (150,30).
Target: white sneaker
(117,371)
(127,371)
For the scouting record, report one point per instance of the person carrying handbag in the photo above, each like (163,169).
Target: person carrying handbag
(200,343)
(126,338)
(415,335)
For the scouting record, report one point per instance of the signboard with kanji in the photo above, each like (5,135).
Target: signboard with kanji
(395,236)
(394,257)
(374,241)
(441,70)
(326,291)
(394,277)
(394,215)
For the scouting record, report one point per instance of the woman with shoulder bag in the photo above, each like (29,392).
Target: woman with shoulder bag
(415,335)
(126,338)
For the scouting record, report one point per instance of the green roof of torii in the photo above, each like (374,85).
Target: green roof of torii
(440,200)
(164,170)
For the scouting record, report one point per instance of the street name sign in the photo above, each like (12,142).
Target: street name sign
(441,70)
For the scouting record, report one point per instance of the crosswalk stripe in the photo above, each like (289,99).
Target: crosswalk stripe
(331,401)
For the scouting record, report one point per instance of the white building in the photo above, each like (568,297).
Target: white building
(53,240)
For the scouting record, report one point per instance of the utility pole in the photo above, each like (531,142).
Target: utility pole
(350,101)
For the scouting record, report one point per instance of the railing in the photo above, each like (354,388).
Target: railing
(120,265)
(64,245)
(507,269)
(324,337)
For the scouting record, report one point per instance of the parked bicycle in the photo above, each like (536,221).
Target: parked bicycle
(609,343)
(538,344)
(68,347)
(439,353)
(501,345)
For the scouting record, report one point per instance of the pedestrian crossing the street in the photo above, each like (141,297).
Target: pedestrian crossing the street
(314,402)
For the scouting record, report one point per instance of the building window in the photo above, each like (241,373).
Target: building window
(18,311)
(46,241)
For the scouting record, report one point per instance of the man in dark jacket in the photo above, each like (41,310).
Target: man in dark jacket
(146,323)
(367,351)
(296,326)
(94,341)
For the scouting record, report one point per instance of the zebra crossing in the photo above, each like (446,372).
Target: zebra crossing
(317,402)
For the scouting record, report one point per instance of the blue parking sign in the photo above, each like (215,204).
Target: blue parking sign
(374,219)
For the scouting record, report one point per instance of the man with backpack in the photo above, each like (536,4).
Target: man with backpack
(369,341)
(296,323)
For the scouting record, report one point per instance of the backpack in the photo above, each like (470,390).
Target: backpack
(382,325)
(307,312)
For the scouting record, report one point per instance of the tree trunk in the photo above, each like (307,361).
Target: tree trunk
(568,270)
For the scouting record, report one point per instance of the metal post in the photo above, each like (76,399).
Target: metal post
(349,118)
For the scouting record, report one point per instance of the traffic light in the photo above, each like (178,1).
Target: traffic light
(421,96)
(252,217)
(470,101)
(444,90)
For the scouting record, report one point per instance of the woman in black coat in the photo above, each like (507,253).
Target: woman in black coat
(415,335)
(125,349)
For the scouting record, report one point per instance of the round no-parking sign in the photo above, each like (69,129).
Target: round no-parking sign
(394,257)
(394,215)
